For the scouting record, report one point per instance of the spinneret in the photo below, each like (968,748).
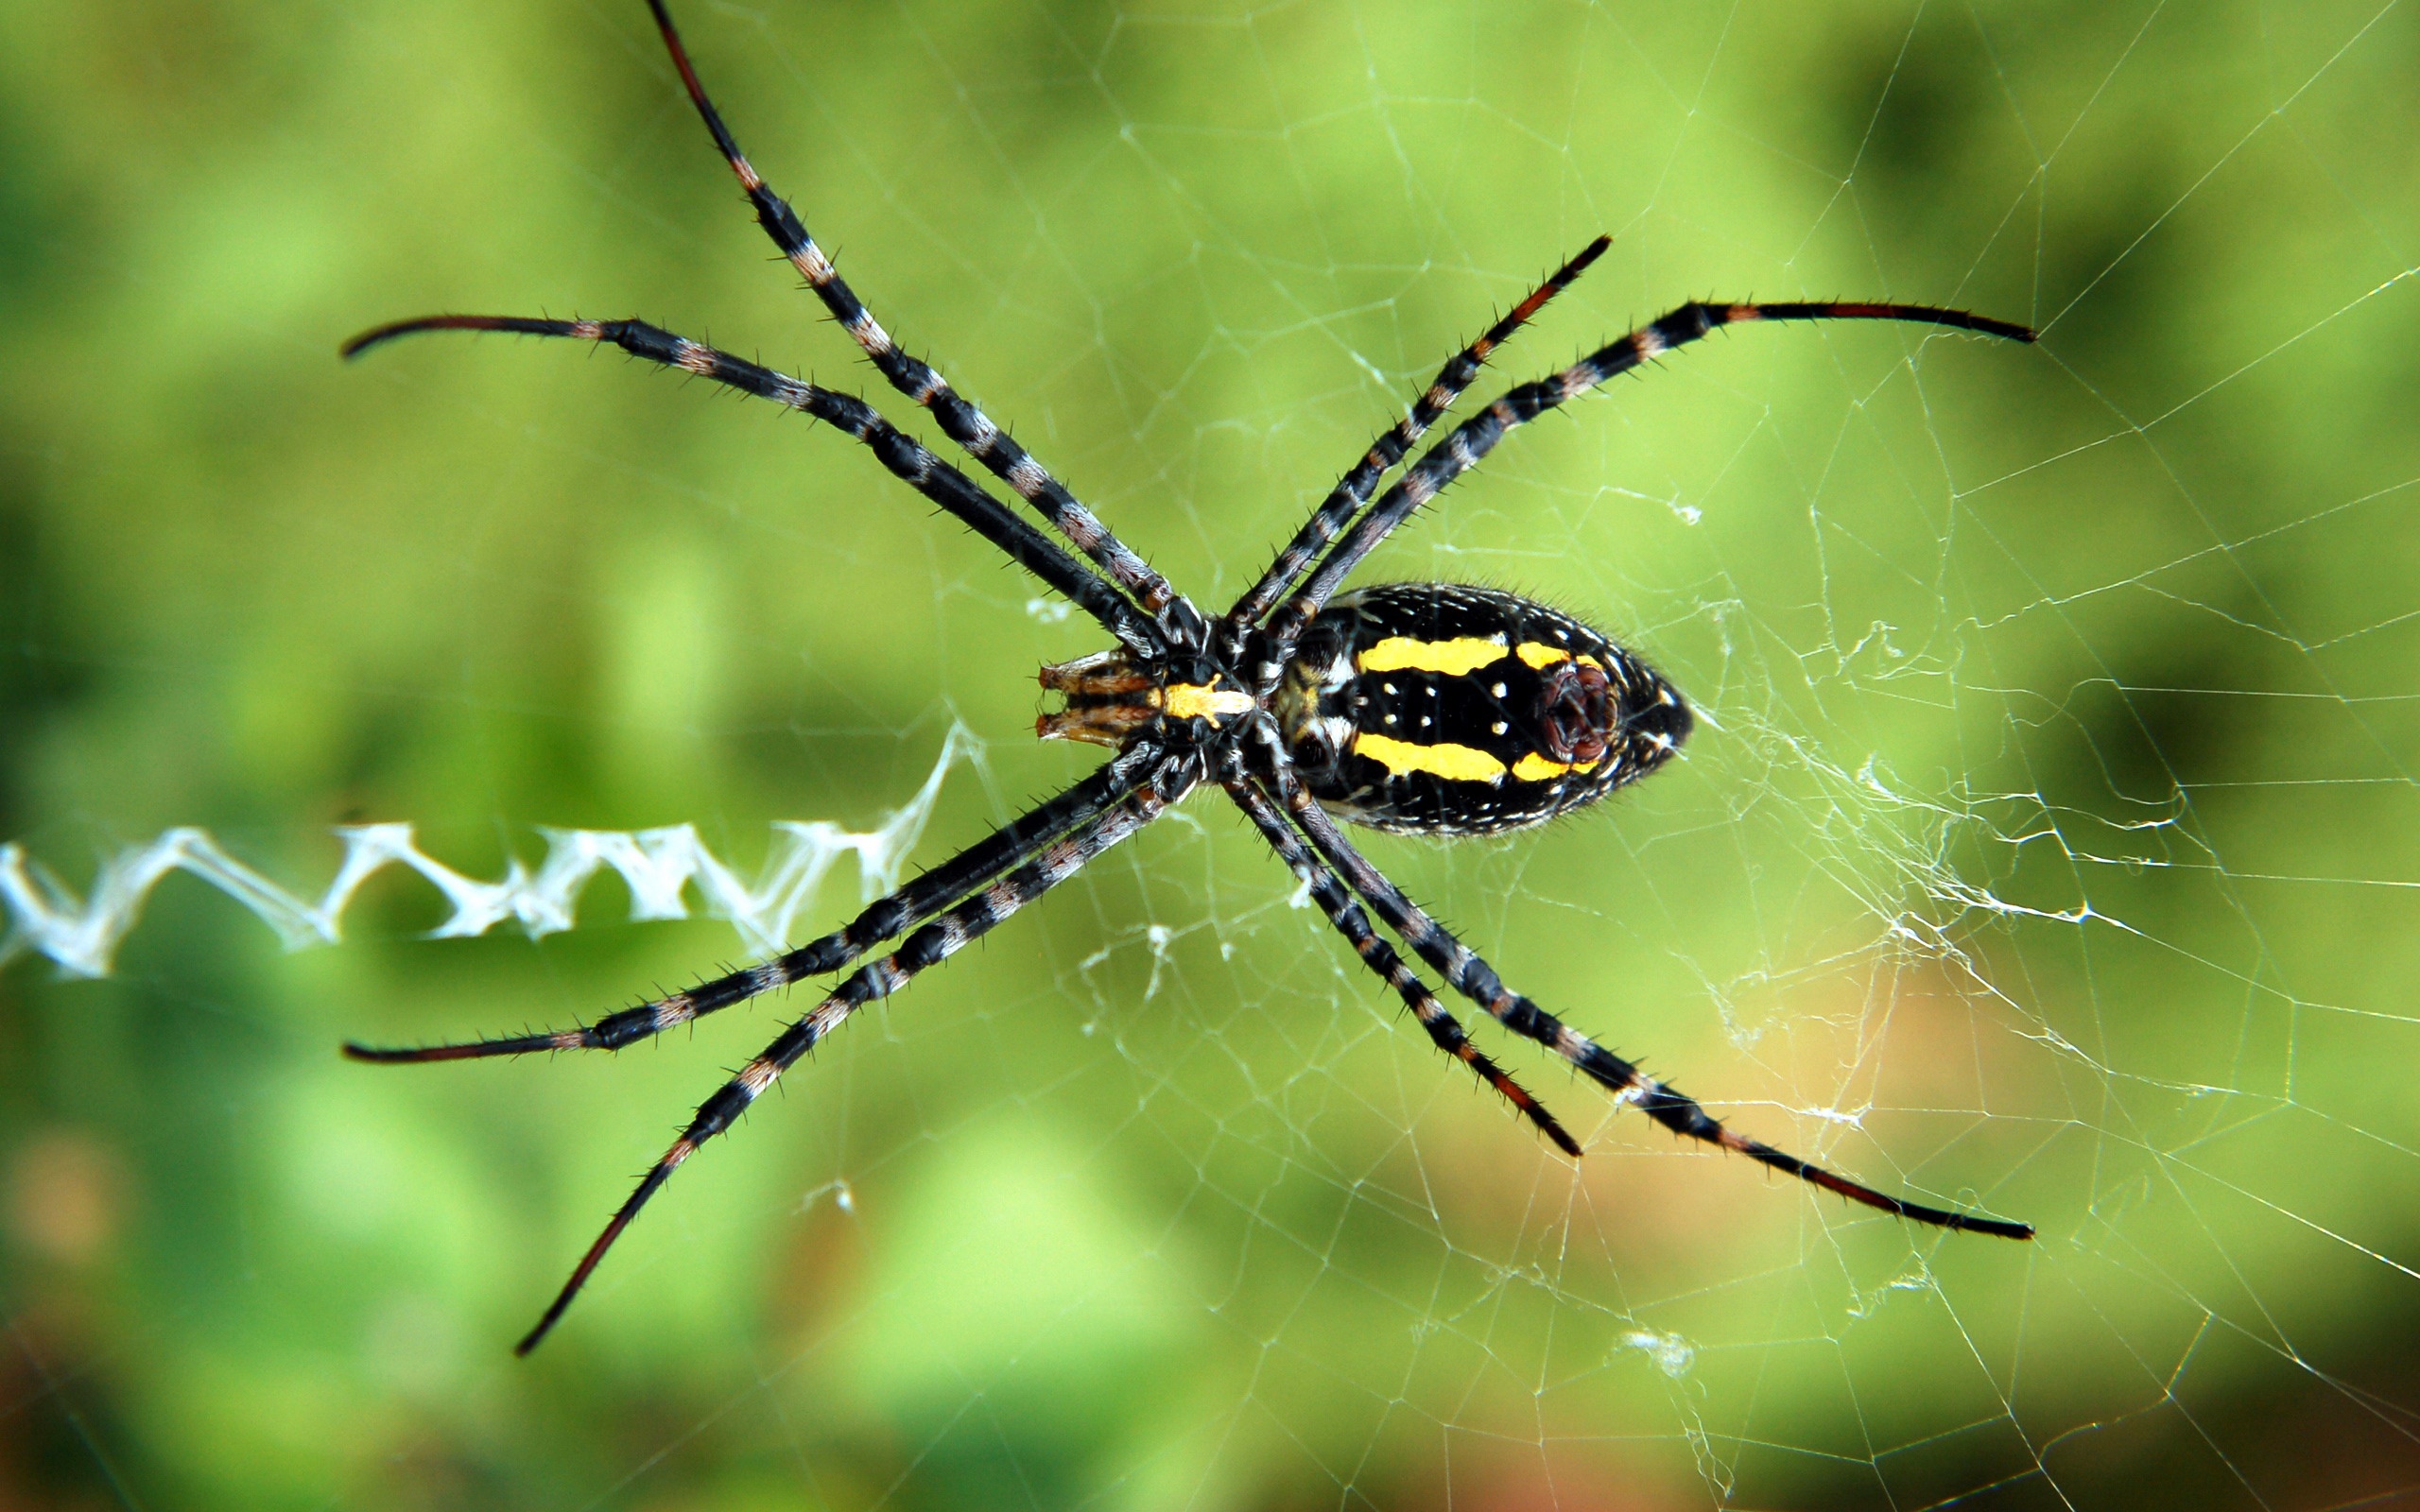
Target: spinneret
(1423,707)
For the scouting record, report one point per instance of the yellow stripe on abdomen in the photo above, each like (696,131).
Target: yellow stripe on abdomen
(1456,763)
(1540,656)
(1536,768)
(1456,657)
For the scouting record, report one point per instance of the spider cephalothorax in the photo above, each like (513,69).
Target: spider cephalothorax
(1115,699)
(1427,707)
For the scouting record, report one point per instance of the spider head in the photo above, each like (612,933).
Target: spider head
(1113,699)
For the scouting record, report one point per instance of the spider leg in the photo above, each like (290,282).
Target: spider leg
(1350,922)
(961,421)
(907,459)
(1474,979)
(935,941)
(1352,491)
(1474,438)
(909,906)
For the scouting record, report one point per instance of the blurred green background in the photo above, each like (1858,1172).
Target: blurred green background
(2050,845)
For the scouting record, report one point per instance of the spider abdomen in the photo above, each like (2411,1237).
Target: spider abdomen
(1445,708)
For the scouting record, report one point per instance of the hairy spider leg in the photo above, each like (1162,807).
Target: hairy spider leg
(907,459)
(935,943)
(887,917)
(1474,979)
(1474,438)
(961,421)
(1444,1030)
(1352,491)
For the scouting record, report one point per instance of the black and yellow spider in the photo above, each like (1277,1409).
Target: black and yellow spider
(1424,708)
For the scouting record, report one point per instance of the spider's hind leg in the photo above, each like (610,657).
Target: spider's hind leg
(1470,443)
(1350,922)
(1474,979)
(1352,491)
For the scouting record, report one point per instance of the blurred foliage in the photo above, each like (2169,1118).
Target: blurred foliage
(2050,845)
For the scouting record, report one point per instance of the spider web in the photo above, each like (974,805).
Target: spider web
(2046,847)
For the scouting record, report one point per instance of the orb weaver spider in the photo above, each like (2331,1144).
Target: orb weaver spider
(1423,708)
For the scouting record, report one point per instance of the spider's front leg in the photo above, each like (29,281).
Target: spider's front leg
(959,418)
(1171,776)
(884,917)
(907,460)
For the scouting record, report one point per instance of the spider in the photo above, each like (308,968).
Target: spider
(1417,708)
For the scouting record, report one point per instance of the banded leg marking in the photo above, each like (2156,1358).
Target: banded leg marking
(1474,438)
(959,420)
(1467,973)
(902,910)
(935,941)
(1352,491)
(1443,1029)
(907,459)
